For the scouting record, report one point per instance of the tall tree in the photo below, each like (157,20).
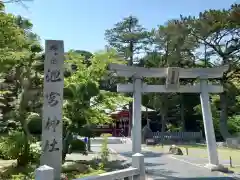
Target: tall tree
(172,48)
(85,103)
(19,49)
(19,2)
(12,37)
(86,54)
(219,31)
(128,37)
(173,42)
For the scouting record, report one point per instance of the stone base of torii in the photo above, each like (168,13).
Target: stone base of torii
(172,76)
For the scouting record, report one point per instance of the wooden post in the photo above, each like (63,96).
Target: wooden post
(230,159)
(52,106)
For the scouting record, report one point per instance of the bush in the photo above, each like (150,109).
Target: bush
(34,123)
(35,152)
(11,147)
(234,124)
(104,152)
(7,125)
(86,131)
(78,145)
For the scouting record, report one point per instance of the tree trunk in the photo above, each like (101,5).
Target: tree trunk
(89,144)
(23,159)
(130,105)
(163,129)
(223,126)
(223,117)
(182,113)
(66,143)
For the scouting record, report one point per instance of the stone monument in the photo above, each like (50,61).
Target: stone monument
(52,106)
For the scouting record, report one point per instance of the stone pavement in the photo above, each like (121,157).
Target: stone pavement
(162,166)
(91,155)
(200,161)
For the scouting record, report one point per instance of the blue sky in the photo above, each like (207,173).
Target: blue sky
(82,23)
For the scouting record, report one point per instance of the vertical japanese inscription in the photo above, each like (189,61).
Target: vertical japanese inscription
(52,123)
(53,98)
(52,107)
(53,75)
(50,146)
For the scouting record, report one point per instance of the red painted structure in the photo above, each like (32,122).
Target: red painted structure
(120,125)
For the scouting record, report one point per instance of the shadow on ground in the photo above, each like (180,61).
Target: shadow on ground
(160,174)
(157,173)
(154,170)
(159,166)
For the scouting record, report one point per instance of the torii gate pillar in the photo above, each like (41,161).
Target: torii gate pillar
(137,115)
(208,125)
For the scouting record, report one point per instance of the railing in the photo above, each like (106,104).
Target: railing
(114,175)
(136,172)
(182,136)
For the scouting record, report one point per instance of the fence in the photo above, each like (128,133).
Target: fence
(177,136)
(136,172)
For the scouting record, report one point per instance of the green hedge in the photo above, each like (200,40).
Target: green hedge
(35,124)
(77,146)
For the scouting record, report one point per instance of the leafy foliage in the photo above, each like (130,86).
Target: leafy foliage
(78,146)
(84,101)
(104,152)
(85,104)
(128,37)
(208,40)
(11,147)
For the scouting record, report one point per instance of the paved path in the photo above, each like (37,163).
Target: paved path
(197,160)
(162,166)
(75,156)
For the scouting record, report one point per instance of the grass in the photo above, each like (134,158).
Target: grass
(200,151)
(20,173)
(72,169)
(17,173)
(91,172)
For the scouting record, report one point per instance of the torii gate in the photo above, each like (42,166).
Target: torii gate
(172,74)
